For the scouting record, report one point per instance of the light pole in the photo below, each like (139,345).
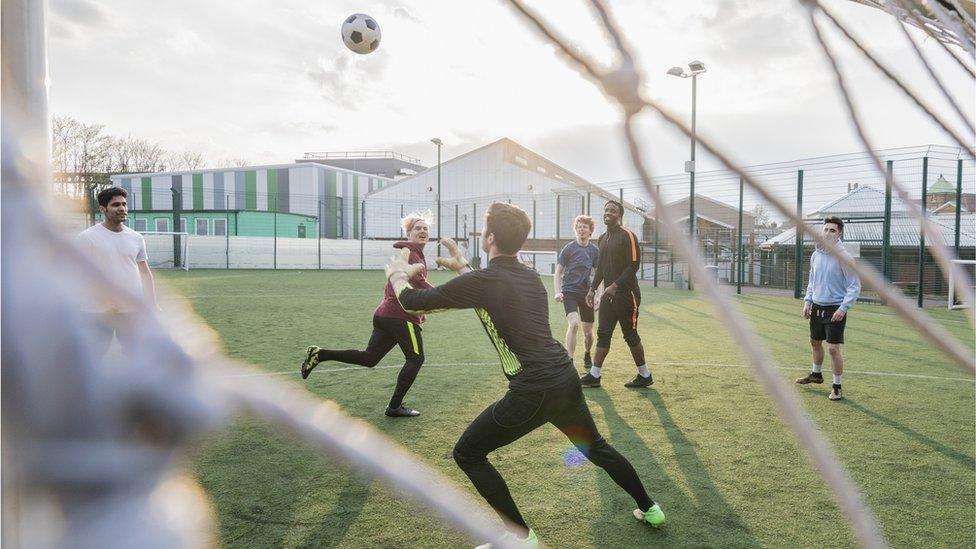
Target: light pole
(439,143)
(696,68)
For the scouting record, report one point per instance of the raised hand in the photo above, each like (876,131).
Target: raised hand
(400,263)
(455,260)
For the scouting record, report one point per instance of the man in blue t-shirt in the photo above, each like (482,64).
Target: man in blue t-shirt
(576,263)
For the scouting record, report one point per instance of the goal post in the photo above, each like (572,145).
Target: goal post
(968,267)
(168,250)
(543,262)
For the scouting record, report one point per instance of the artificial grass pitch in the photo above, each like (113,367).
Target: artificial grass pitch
(704,439)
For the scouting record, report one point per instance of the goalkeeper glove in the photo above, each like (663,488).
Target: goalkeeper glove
(456,262)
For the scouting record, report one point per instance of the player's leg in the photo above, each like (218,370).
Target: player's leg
(573,418)
(408,337)
(628,310)
(818,334)
(835,340)
(501,423)
(380,343)
(586,322)
(608,321)
(572,329)
(100,330)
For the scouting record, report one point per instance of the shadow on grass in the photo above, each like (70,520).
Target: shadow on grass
(966,461)
(683,330)
(705,519)
(349,505)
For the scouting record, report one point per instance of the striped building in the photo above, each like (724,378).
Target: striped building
(331,195)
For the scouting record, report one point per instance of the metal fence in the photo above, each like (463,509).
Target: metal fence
(745,243)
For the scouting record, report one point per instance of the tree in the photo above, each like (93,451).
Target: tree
(234,162)
(186,160)
(761,214)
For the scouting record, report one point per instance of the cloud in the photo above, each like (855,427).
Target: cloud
(84,13)
(404,13)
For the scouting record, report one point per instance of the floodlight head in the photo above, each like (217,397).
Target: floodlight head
(437,141)
(696,67)
(676,71)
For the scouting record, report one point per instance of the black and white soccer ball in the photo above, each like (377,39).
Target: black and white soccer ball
(361,33)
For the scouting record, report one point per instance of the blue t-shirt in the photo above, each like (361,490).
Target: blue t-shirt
(578,262)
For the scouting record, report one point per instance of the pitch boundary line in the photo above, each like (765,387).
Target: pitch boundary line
(702,364)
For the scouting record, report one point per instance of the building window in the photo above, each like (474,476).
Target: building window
(522,161)
(182,225)
(162,225)
(202,227)
(301,230)
(220,227)
(140,225)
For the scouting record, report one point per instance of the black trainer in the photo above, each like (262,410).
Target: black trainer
(589,381)
(311,360)
(812,377)
(402,411)
(640,381)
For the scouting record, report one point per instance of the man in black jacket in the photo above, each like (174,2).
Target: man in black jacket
(511,302)
(617,270)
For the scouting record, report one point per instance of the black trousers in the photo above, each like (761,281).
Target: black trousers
(387,333)
(624,309)
(521,412)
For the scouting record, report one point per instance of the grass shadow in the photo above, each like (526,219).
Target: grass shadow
(333,528)
(966,461)
(705,519)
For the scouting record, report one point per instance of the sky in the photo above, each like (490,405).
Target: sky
(268,81)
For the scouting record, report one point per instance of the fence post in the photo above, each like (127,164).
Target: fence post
(589,199)
(921,232)
(227,228)
(798,237)
(738,248)
(276,238)
(534,224)
(657,243)
(362,231)
(456,216)
(958,202)
(474,226)
(557,221)
(177,206)
(886,225)
(321,228)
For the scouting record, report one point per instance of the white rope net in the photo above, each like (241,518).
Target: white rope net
(91,442)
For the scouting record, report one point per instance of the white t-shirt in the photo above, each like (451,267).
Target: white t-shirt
(119,253)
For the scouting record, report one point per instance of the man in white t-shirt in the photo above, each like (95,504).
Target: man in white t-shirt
(122,252)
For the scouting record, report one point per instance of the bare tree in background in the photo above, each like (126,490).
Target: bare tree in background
(233,162)
(761,214)
(186,160)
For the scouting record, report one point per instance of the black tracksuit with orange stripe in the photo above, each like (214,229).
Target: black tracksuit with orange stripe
(618,264)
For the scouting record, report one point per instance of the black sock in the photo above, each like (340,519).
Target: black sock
(586,356)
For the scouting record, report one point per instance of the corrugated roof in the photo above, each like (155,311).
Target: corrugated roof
(866,201)
(904,232)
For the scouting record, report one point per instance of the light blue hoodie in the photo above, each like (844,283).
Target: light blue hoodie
(831,283)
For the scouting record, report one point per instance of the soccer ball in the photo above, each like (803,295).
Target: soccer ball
(361,33)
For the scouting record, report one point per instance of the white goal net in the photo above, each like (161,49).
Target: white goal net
(968,281)
(168,250)
(543,262)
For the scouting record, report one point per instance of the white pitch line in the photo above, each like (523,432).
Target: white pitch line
(701,364)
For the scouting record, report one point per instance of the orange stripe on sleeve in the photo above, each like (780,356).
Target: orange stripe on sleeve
(633,245)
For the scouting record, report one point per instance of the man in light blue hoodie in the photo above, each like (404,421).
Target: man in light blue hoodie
(831,291)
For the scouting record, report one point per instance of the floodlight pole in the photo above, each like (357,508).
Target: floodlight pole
(691,199)
(439,143)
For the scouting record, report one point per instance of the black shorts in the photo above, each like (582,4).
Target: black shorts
(576,302)
(821,327)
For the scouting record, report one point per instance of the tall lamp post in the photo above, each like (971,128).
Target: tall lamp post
(439,143)
(696,68)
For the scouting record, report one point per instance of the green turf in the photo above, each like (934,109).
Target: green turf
(705,439)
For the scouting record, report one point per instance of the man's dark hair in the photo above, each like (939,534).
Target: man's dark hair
(106,195)
(510,225)
(619,206)
(836,221)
